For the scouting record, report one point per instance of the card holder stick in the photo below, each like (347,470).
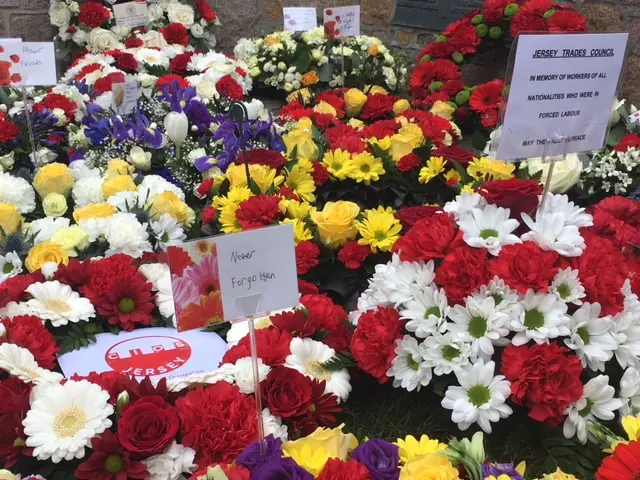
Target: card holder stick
(27,115)
(552,163)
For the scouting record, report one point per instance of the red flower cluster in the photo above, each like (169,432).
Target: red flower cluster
(57,100)
(9,131)
(93,14)
(28,331)
(259,211)
(307,254)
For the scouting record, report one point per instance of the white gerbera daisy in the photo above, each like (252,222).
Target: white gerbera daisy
(223,374)
(490,228)
(573,214)
(64,418)
(480,324)
(58,303)
(480,398)
(172,463)
(239,330)
(543,317)
(307,356)
(630,391)
(567,287)
(10,266)
(21,363)
(410,369)
(465,203)
(167,229)
(591,336)
(626,331)
(446,352)
(597,402)
(551,232)
(506,300)
(426,312)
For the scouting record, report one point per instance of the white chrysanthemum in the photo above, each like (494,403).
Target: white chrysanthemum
(10,266)
(543,317)
(480,324)
(152,58)
(630,391)
(18,192)
(465,203)
(20,362)
(45,228)
(79,169)
(626,331)
(273,426)
(153,185)
(446,353)
(243,375)
(480,398)
(426,312)
(597,402)
(410,369)
(172,463)
(591,336)
(126,235)
(505,299)
(64,418)
(239,330)
(551,232)
(58,303)
(49,269)
(95,228)
(567,287)
(573,214)
(396,281)
(166,229)
(307,356)
(490,228)
(126,201)
(87,190)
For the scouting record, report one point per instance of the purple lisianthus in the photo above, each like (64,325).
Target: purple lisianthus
(381,459)
(497,469)
(280,469)
(252,458)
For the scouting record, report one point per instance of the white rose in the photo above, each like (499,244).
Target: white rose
(59,14)
(153,38)
(74,7)
(61,116)
(172,463)
(79,37)
(101,40)
(197,31)
(7,160)
(207,89)
(180,13)
(121,32)
(63,34)
(155,12)
(566,173)
(196,154)
(139,158)
(146,80)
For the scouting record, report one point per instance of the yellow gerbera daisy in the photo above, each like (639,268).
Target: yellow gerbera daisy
(435,166)
(338,163)
(411,448)
(302,183)
(485,169)
(367,168)
(379,229)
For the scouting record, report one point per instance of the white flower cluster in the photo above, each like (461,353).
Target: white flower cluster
(611,173)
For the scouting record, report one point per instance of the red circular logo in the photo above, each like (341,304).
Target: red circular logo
(148,356)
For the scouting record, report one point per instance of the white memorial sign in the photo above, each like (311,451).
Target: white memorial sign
(38,64)
(299,19)
(131,14)
(342,22)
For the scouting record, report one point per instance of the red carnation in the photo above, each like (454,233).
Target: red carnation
(126,61)
(545,378)
(172,81)
(333,99)
(409,216)
(29,332)
(57,100)
(463,35)
(287,392)
(622,464)
(128,303)
(258,211)
(336,469)
(107,273)
(353,255)
(133,42)
(352,143)
(334,134)
(459,282)
(524,22)
(320,174)
(218,422)
(525,266)
(228,87)
(631,140)
(9,131)
(520,196)
(378,106)
(109,461)
(455,153)
(493,10)
(567,21)
(489,118)
(306,288)
(295,111)
(205,10)
(110,382)
(323,312)
(273,347)
(14,289)
(15,405)
(374,341)
(93,14)
(208,215)
(428,239)
(263,156)
(381,129)
(105,84)
(175,34)
(487,96)
(618,218)
(409,162)
(180,62)
(307,254)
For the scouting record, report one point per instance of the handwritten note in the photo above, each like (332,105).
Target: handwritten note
(299,19)
(131,14)
(342,22)
(125,97)
(38,64)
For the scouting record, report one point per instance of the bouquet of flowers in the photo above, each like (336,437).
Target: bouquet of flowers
(89,25)
(289,61)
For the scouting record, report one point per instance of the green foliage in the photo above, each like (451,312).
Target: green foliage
(77,335)
(338,362)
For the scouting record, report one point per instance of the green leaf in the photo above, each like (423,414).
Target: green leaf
(302,59)
(338,362)
(479,140)
(325,72)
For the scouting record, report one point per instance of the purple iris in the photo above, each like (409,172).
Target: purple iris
(177,97)
(251,456)
(142,131)
(203,164)
(198,115)
(497,469)
(381,459)
(280,469)
(44,128)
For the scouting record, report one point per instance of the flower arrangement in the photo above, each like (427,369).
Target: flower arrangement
(90,25)
(289,61)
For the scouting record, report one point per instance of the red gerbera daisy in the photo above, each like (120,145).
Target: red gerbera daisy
(623,464)
(129,303)
(109,461)
(487,97)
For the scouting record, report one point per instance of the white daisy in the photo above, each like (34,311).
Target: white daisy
(591,336)
(573,214)
(551,232)
(167,229)
(58,303)
(160,277)
(273,426)
(20,362)
(480,324)
(172,463)
(223,374)
(307,356)
(446,352)
(426,312)
(626,331)
(366,301)
(243,374)
(566,286)
(465,203)
(64,418)
(506,300)
(10,266)
(397,281)
(480,398)
(630,391)
(490,228)
(543,317)
(597,402)
(410,369)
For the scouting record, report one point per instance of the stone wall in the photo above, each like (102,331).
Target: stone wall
(26,19)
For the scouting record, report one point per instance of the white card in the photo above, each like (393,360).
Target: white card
(131,14)
(561,85)
(10,55)
(155,352)
(299,19)
(342,22)
(125,97)
(38,64)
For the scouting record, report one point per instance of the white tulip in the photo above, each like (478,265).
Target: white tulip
(176,125)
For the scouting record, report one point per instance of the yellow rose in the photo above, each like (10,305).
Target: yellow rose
(301,138)
(45,252)
(337,222)
(325,107)
(332,440)
(7,475)
(355,123)
(117,184)
(94,210)
(10,218)
(355,100)
(304,95)
(71,239)
(53,178)
(443,109)
(429,467)
(170,203)
(401,106)
(117,166)
(375,89)
(54,205)
(406,140)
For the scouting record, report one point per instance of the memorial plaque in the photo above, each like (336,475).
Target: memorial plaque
(433,14)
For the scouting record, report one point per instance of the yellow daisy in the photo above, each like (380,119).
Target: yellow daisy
(411,448)
(485,169)
(228,219)
(301,182)
(468,188)
(379,229)
(338,163)
(453,175)
(367,168)
(296,209)
(300,230)
(235,195)
(435,166)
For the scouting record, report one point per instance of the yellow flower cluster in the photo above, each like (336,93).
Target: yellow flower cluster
(361,167)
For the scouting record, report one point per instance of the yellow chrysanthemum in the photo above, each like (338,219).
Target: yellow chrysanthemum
(300,230)
(367,168)
(558,475)
(235,195)
(468,188)
(296,209)
(379,229)
(305,165)
(228,219)
(485,169)
(301,182)
(435,166)
(411,448)
(265,177)
(453,175)
(384,143)
(429,467)
(339,163)
(312,460)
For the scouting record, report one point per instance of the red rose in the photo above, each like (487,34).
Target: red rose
(258,211)
(459,282)
(228,87)
(307,254)
(263,156)
(273,347)
(287,392)
(172,82)
(126,61)
(545,378)
(409,162)
(527,22)
(463,35)
(133,42)
(429,239)
(206,11)
(105,84)
(93,14)
(525,266)
(147,426)
(409,216)
(9,131)
(631,140)
(175,34)
(320,174)
(336,469)
(218,422)
(305,287)
(567,21)
(374,341)
(353,255)
(377,106)
(520,196)
(29,332)
(180,62)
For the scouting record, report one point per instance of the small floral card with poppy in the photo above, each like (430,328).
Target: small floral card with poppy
(195,282)
(10,52)
(342,22)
